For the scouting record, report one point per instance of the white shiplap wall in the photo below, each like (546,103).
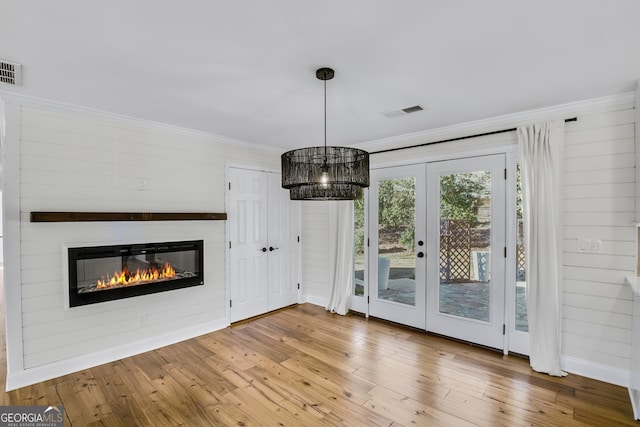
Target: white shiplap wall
(599,202)
(72,161)
(599,195)
(315,252)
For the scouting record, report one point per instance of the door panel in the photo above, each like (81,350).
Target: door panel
(283,247)
(248,237)
(466,232)
(516,267)
(397,250)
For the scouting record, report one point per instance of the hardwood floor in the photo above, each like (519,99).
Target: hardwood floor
(303,366)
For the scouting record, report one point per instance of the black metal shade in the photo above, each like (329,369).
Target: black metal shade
(325,173)
(346,173)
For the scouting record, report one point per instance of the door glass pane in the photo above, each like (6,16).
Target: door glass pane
(465,245)
(521,282)
(358,242)
(396,235)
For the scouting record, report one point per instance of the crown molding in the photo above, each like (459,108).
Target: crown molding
(29,101)
(499,122)
(461,129)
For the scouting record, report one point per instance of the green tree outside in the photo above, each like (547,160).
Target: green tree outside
(460,194)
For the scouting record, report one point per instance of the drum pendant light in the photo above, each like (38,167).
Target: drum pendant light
(325,172)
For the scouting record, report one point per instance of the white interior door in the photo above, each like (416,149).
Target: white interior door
(248,253)
(467,249)
(284,243)
(264,252)
(397,245)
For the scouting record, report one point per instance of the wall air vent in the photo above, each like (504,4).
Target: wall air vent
(403,111)
(10,73)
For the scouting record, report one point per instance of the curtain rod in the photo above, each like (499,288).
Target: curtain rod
(573,119)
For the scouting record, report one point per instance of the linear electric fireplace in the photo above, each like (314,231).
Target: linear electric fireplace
(106,273)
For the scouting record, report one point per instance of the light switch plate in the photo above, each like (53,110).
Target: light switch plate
(142,184)
(593,246)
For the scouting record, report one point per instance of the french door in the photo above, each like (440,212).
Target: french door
(467,249)
(264,249)
(397,246)
(436,249)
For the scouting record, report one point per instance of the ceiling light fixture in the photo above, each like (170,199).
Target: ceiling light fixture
(325,173)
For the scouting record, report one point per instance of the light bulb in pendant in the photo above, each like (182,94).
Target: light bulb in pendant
(324,176)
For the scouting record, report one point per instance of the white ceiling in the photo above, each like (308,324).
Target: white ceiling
(245,69)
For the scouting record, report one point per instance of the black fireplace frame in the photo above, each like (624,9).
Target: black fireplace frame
(78,253)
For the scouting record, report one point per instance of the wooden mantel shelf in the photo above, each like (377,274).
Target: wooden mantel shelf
(125,216)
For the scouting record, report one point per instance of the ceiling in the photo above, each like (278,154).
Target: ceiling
(245,69)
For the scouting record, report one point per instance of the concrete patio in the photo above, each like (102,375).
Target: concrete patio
(470,300)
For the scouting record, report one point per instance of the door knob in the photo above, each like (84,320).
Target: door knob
(271,249)
(420,254)
(264,249)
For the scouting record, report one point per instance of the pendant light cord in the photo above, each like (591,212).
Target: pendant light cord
(325,122)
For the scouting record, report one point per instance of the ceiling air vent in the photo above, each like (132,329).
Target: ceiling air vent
(413,109)
(10,73)
(403,111)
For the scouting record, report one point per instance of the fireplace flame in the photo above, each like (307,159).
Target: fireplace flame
(126,277)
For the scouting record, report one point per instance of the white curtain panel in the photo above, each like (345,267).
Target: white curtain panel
(340,255)
(541,157)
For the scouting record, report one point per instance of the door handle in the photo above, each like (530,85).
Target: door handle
(420,254)
(264,249)
(271,249)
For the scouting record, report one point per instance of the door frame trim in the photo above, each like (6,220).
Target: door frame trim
(429,158)
(358,303)
(515,341)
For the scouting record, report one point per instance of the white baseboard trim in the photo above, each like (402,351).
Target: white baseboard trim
(595,371)
(316,300)
(38,374)
(42,373)
(634,395)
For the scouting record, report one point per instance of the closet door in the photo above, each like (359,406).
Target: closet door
(248,252)
(264,252)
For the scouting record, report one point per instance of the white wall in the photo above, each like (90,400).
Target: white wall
(599,194)
(315,252)
(599,203)
(1,230)
(75,160)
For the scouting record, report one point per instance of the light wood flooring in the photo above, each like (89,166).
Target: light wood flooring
(303,366)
